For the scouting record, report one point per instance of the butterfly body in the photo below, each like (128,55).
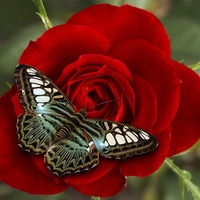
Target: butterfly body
(70,142)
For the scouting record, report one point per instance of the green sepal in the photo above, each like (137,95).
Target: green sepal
(9,85)
(195,66)
(95,198)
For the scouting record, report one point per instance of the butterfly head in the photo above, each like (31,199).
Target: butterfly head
(81,114)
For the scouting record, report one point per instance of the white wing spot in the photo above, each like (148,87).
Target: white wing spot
(114,125)
(46,82)
(144,135)
(37,77)
(42,99)
(36,81)
(89,146)
(49,90)
(31,71)
(38,91)
(58,97)
(34,70)
(120,139)
(118,130)
(111,140)
(106,126)
(55,90)
(91,143)
(128,139)
(40,104)
(106,143)
(125,128)
(132,136)
(35,85)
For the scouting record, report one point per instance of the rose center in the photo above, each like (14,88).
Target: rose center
(94,98)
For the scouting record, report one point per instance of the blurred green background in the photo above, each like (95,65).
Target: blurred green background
(19,24)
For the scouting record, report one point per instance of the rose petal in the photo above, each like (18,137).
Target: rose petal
(38,161)
(104,166)
(17,168)
(64,44)
(146,104)
(146,164)
(186,124)
(110,184)
(87,177)
(91,63)
(157,69)
(124,23)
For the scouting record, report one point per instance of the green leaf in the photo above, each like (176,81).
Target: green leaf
(195,66)
(184,180)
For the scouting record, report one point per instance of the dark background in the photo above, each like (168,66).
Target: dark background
(19,24)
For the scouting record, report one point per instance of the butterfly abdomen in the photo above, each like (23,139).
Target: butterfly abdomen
(63,133)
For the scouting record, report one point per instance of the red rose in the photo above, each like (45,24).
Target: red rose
(119,55)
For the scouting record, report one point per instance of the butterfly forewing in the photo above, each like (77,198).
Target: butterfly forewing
(70,142)
(119,141)
(46,109)
(38,93)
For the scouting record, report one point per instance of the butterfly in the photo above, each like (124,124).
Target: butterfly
(70,142)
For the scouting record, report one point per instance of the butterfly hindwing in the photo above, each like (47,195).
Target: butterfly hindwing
(119,141)
(77,153)
(36,131)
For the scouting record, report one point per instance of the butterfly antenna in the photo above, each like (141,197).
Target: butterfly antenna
(104,102)
(86,93)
